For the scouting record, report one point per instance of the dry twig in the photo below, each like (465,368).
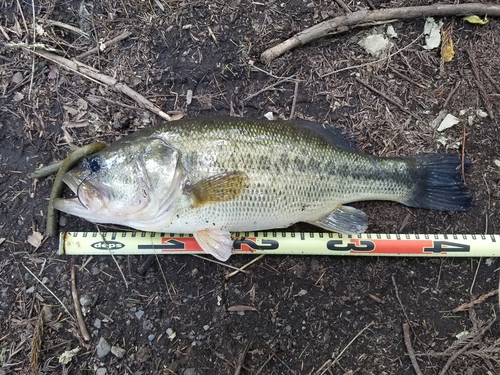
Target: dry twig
(103,79)
(409,349)
(104,45)
(490,78)
(450,95)
(479,84)
(78,308)
(386,97)
(241,359)
(477,301)
(241,269)
(329,363)
(50,291)
(350,20)
(294,101)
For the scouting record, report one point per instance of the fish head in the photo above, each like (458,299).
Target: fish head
(132,183)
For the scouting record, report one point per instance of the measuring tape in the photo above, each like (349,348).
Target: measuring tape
(285,243)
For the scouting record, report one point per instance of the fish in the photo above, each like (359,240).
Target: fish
(216,175)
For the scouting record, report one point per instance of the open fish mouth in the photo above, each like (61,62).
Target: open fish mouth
(88,198)
(72,182)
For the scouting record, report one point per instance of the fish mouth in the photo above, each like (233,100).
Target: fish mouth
(88,197)
(72,182)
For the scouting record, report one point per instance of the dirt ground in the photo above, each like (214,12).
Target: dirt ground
(309,314)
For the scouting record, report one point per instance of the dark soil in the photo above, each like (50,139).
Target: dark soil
(312,315)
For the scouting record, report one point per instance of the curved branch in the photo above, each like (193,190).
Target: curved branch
(350,20)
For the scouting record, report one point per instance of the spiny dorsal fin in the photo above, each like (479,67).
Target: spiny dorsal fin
(222,187)
(333,136)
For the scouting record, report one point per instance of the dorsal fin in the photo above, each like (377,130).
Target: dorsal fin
(330,134)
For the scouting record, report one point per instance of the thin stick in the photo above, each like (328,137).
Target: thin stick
(475,276)
(91,73)
(343,6)
(163,275)
(492,81)
(241,269)
(387,98)
(294,101)
(115,40)
(241,359)
(346,347)
(114,259)
(479,85)
(480,299)
(62,25)
(350,20)
(267,88)
(220,263)
(399,298)
(401,75)
(78,308)
(58,186)
(376,61)
(53,295)
(264,364)
(452,92)
(409,348)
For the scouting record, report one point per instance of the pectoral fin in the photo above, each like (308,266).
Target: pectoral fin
(216,242)
(222,187)
(344,219)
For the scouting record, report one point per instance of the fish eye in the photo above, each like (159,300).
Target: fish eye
(94,164)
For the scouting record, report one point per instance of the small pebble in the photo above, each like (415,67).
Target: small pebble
(139,314)
(63,221)
(151,337)
(169,331)
(95,271)
(117,351)
(206,327)
(101,371)
(30,290)
(97,323)
(85,300)
(103,348)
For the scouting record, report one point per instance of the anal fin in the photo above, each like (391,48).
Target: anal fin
(216,242)
(344,219)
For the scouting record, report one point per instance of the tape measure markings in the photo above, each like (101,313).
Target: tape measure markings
(285,243)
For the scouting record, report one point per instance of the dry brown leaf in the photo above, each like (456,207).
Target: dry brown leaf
(35,239)
(237,308)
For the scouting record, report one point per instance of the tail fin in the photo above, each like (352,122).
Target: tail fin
(438,183)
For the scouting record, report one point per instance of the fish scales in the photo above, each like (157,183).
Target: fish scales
(210,176)
(315,178)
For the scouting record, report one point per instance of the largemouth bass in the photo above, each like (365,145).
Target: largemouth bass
(210,176)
